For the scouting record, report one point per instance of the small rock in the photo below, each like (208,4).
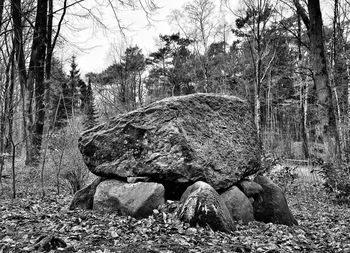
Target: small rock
(84,198)
(137,200)
(238,204)
(250,188)
(201,205)
(272,207)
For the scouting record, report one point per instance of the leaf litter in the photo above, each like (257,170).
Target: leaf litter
(46,225)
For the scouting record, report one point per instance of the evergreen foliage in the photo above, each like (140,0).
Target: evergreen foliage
(172,65)
(59,94)
(90,114)
(68,93)
(73,85)
(121,84)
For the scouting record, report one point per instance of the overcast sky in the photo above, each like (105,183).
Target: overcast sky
(95,46)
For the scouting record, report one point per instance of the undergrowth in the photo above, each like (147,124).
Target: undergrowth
(336,181)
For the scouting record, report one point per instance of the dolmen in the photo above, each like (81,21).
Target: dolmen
(200,149)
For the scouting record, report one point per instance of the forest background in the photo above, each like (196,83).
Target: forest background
(290,62)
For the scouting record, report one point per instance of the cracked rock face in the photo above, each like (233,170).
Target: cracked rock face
(178,140)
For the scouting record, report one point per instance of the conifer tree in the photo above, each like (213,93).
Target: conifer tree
(90,117)
(69,92)
(73,84)
(83,95)
(59,94)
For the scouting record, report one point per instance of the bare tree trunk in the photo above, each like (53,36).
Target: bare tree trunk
(37,73)
(59,173)
(334,59)
(348,102)
(268,124)
(342,37)
(28,112)
(6,108)
(257,86)
(303,114)
(13,166)
(49,49)
(10,96)
(20,59)
(303,100)
(1,11)
(140,89)
(33,84)
(321,75)
(257,104)
(48,62)
(327,113)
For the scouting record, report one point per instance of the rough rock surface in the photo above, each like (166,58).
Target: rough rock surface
(250,188)
(181,139)
(238,205)
(137,200)
(84,198)
(201,205)
(272,207)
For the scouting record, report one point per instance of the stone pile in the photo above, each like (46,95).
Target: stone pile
(198,148)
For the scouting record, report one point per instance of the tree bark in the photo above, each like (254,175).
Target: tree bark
(16,10)
(10,97)
(257,87)
(1,12)
(35,86)
(320,73)
(7,109)
(348,106)
(49,49)
(303,100)
(38,64)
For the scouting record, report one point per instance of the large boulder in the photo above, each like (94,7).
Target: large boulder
(272,206)
(201,205)
(130,199)
(84,198)
(238,205)
(177,140)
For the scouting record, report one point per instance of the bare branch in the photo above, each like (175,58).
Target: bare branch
(302,12)
(66,6)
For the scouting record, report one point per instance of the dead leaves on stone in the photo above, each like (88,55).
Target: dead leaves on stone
(30,225)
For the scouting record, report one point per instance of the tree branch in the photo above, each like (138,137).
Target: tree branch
(302,13)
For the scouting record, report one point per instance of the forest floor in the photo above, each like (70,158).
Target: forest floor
(25,224)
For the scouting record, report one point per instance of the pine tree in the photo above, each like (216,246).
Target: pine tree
(69,92)
(59,94)
(91,117)
(83,94)
(73,95)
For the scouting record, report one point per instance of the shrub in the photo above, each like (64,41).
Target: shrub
(337,181)
(285,177)
(76,179)
(67,159)
(268,162)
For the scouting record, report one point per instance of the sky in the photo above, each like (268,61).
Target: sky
(96,47)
